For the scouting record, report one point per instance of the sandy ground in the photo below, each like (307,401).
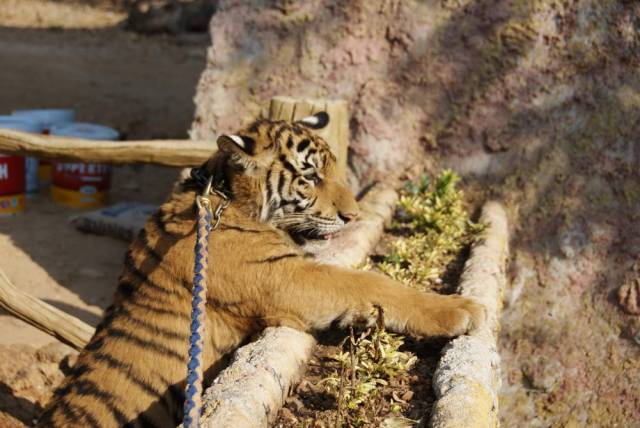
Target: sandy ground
(44,255)
(65,14)
(142,85)
(111,77)
(74,54)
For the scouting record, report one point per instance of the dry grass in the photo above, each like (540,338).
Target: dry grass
(367,365)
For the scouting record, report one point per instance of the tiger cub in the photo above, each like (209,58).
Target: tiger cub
(281,181)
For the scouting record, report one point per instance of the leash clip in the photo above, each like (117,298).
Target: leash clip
(203,201)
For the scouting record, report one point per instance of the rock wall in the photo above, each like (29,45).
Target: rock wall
(538,101)
(365,52)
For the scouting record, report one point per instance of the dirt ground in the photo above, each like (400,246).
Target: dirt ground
(139,84)
(74,54)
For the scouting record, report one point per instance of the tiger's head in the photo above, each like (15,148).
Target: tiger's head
(287,175)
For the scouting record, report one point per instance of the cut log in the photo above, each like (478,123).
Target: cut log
(66,328)
(161,152)
(336,133)
(467,379)
(252,389)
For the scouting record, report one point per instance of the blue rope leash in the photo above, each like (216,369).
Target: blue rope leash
(193,391)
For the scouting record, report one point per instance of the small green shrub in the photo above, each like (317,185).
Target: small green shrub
(438,228)
(434,227)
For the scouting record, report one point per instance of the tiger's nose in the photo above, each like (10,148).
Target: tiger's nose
(347,216)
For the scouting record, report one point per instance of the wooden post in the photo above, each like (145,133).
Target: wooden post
(336,133)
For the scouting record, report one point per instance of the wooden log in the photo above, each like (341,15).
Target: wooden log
(66,328)
(336,133)
(467,379)
(252,389)
(162,152)
(174,152)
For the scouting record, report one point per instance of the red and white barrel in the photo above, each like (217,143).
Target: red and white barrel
(31,186)
(13,177)
(47,118)
(77,184)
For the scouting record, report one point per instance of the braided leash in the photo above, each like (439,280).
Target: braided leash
(193,391)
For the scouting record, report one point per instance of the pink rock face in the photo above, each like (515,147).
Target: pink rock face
(358,51)
(629,291)
(538,98)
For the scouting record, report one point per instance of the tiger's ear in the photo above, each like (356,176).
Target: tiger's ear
(238,144)
(316,121)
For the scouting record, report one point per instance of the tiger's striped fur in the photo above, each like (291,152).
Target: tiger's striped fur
(282,182)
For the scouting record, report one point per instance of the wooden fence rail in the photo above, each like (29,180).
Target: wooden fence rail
(181,153)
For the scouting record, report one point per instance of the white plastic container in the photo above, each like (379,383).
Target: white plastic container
(46,118)
(82,185)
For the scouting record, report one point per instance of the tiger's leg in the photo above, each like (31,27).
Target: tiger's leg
(319,295)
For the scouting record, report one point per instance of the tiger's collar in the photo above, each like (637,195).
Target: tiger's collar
(201,177)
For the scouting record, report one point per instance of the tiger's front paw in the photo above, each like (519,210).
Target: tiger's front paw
(460,315)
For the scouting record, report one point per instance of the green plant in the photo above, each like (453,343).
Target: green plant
(438,227)
(434,227)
